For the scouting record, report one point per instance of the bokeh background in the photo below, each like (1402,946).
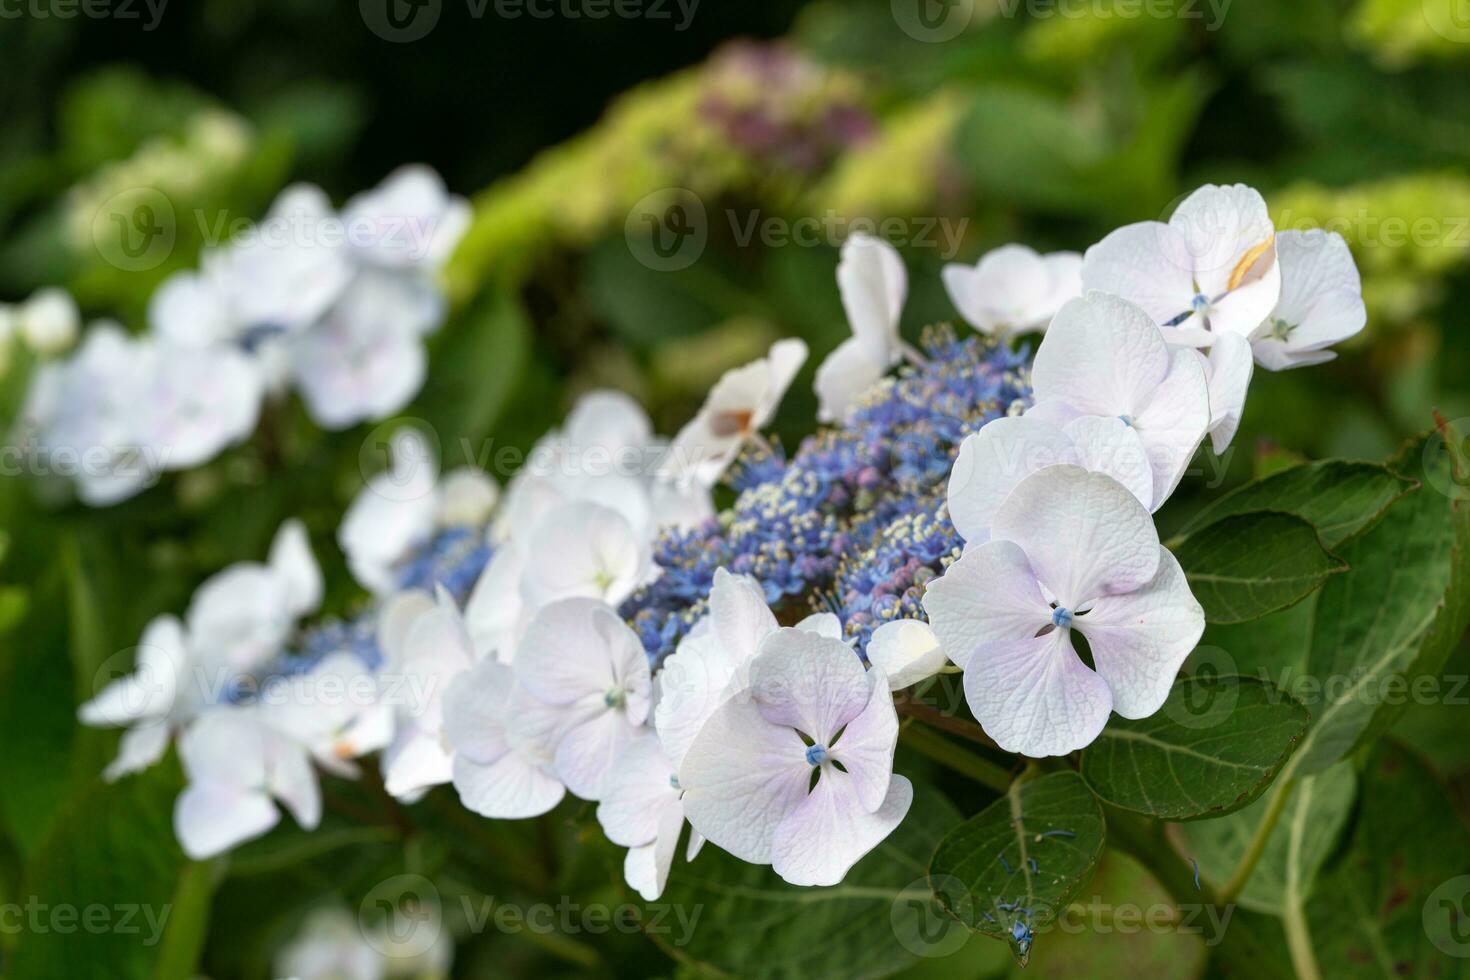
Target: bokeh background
(969,123)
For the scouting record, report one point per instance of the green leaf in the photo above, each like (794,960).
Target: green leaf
(1213,747)
(1340,499)
(752,924)
(475,367)
(125,871)
(1006,866)
(1395,617)
(1248,565)
(1304,836)
(1406,874)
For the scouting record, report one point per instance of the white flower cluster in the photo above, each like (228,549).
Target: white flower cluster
(774,743)
(334,305)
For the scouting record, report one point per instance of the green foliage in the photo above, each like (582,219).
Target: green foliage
(1247,565)
(1213,747)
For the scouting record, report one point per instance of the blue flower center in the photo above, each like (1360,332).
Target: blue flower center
(1061,617)
(1126,420)
(674,781)
(816,755)
(613,699)
(1200,302)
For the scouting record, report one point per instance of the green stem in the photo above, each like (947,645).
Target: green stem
(930,743)
(1280,794)
(1294,917)
(930,715)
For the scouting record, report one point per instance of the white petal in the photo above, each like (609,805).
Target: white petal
(739,616)
(583,550)
(415,761)
(873,283)
(1172,423)
(607,420)
(140,748)
(1008,291)
(1140,640)
(694,681)
(990,464)
(494,612)
(637,791)
(1084,534)
(474,712)
(990,593)
(823,624)
(786,358)
(1230,368)
(809,682)
(907,651)
(865,747)
(513,788)
(1224,229)
(292,559)
(586,753)
(830,831)
(153,689)
(1102,355)
(1035,696)
(573,649)
(1147,263)
(395,618)
(209,819)
(225,746)
(646,868)
(844,377)
(741,777)
(1113,447)
(467,496)
(292,781)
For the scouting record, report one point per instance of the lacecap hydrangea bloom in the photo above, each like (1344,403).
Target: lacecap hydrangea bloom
(599,631)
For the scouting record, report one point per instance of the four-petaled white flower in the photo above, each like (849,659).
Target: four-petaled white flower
(1321,301)
(810,710)
(738,407)
(1069,550)
(1013,289)
(1104,357)
(1212,269)
(873,284)
(589,671)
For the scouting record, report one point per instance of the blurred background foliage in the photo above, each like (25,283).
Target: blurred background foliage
(1050,130)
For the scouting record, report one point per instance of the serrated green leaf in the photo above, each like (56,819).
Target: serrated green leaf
(1213,748)
(1021,859)
(1341,499)
(1306,833)
(880,919)
(1248,565)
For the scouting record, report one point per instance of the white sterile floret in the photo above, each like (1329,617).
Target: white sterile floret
(408,220)
(330,946)
(1212,269)
(1104,357)
(584,550)
(1013,289)
(738,407)
(49,321)
(1069,550)
(641,810)
(810,709)
(151,702)
(873,284)
(1321,301)
(588,671)
(713,660)
(907,651)
(238,767)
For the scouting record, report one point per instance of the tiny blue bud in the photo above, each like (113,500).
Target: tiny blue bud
(1061,618)
(816,755)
